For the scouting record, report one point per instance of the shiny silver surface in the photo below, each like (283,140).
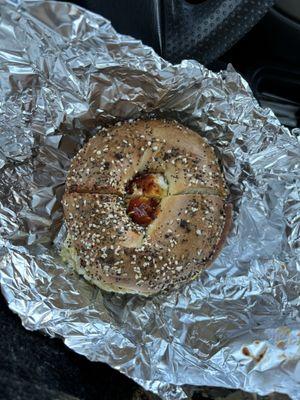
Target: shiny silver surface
(65,72)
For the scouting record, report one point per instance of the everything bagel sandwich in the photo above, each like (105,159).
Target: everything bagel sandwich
(145,207)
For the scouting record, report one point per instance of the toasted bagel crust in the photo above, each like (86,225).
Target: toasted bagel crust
(192,219)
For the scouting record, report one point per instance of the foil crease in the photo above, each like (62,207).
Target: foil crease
(64,73)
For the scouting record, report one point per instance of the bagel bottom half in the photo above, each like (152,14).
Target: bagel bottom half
(111,251)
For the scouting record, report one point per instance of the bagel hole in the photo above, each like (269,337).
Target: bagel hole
(143,210)
(145,191)
(147,184)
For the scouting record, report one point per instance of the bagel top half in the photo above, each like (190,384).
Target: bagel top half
(145,207)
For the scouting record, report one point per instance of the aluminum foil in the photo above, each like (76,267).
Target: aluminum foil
(65,72)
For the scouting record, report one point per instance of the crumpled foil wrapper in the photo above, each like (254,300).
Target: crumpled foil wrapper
(65,72)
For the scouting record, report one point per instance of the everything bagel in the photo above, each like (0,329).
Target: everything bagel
(145,207)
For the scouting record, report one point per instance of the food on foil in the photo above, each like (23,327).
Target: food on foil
(145,207)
